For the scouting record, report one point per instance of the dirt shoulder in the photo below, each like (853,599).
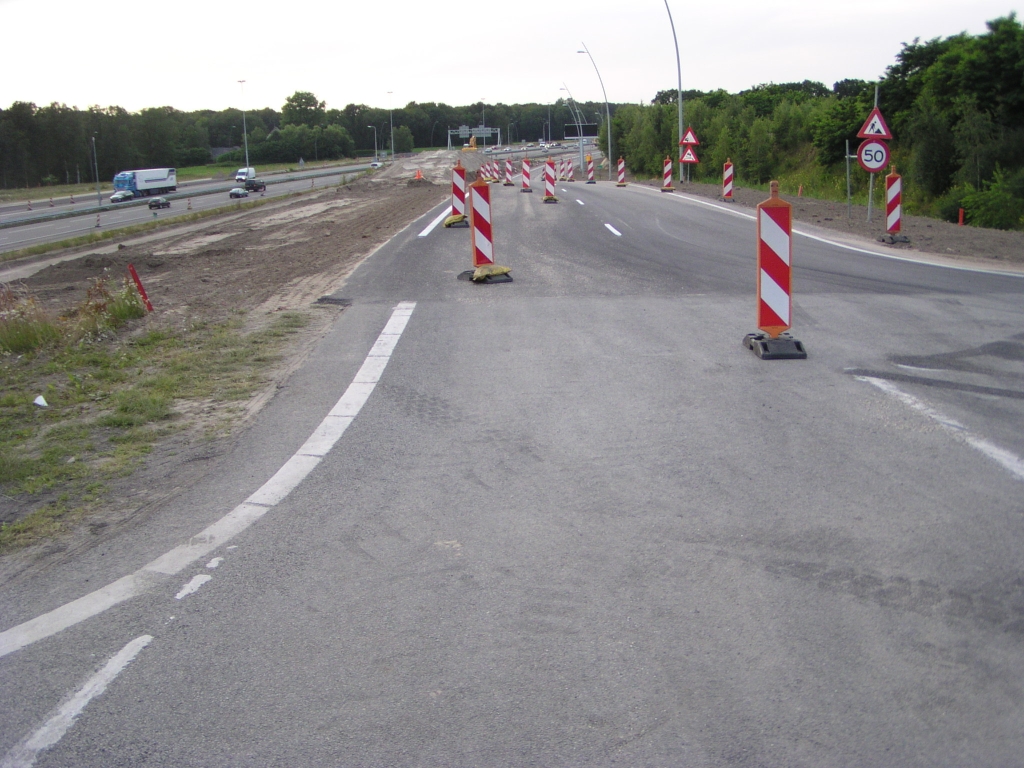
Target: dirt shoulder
(258,266)
(992,247)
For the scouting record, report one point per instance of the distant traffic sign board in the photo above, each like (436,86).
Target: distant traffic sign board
(873,155)
(874,127)
(689,138)
(689,157)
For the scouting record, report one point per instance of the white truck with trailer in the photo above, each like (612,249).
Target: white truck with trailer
(148,181)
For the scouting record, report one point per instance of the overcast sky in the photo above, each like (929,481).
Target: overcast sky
(190,55)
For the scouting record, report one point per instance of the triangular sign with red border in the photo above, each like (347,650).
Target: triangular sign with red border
(874,127)
(689,156)
(689,138)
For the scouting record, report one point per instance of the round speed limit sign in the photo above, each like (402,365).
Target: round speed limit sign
(873,155)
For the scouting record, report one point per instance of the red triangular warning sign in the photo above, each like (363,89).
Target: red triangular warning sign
(874,127)
(689,138)
(689,156)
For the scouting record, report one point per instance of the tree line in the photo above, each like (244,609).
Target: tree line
(955,106)
(54,144)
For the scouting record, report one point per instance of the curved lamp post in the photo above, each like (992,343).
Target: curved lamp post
(679,74)
(607,111)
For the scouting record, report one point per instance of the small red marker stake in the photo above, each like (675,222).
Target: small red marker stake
(138,284)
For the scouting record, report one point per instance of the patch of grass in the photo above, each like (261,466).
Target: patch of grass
(110,399)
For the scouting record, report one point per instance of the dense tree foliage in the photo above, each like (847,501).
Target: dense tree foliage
(955,105)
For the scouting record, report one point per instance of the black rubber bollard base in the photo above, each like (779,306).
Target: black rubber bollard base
(785,347)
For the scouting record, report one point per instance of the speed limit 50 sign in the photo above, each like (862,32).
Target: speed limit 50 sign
(873,155)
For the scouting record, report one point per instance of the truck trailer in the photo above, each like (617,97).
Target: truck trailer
(150,181)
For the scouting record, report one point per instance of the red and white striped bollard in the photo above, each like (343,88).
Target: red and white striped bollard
(893,202)
(508,172)
(666,173)
(727,179)
(458,213)
(482,237)
(622,173)
(590,170)
(549,182)
(526,176)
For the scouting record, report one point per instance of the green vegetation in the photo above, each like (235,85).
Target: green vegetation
(955,106)
(110,395)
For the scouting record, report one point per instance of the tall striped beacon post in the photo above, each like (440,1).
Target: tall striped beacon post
(727,179)
(666,173)
(549,182)
(526,176)
(570,170)
(774,281)
(590,170)
(481,235)
(893,201)
(458,214)
(508,173)
(622,173)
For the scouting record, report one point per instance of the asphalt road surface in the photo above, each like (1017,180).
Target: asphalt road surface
(571,521)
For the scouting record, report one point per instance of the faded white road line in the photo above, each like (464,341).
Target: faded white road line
(192,586)
(237,520)
(24,753)
(881,254)
(1001,456)
(613,230)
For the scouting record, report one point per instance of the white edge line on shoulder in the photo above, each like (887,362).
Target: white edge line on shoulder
(272,492)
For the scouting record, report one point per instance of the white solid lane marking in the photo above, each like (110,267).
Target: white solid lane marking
(234,522)
(613,230)
(24,753)
(580,201)
(986,270)
(430,227)
(1003,457)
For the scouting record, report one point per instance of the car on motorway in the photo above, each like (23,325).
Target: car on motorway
(120,197)
(376,164)
(238,192)
(159,202)
(488,151)
(255,185)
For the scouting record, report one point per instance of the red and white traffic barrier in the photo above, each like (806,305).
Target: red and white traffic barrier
(30,205)
(481,236)
(774,258)
(508,172)
(570,174)
(459,189)
(97,219)
(549,182)
(526,176)
(458,214)
(51,202)
(590,170)
(893,203)
(727,180)
(189,206)
(774,282)
(622,173)
(666,174)
(72,199)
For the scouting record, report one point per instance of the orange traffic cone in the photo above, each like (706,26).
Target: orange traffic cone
(419,175)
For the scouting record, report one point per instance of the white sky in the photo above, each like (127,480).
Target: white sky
(190,55)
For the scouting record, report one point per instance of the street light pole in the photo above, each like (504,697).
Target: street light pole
(575,112)
(679,73)
(391,118)
(245,134)
(96,167)
(374,141)
(607,111)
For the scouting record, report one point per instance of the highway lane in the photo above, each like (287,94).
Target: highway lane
(16,211)
(14,238)
(576,523)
